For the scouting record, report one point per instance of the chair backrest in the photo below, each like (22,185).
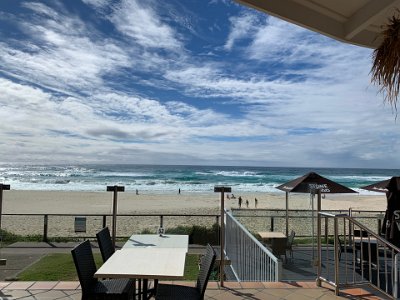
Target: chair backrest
(206,266)
(85,265)
(279,246)
(105,243)
(291,239)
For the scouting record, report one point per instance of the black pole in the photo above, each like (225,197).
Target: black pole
(115,189)
(3,187)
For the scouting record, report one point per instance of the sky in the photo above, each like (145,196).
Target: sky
(184,82)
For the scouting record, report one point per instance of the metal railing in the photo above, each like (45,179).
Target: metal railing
(51,226)
(299,219)
(250,260)
(351,255)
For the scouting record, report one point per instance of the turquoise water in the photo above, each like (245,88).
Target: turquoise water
(168,179)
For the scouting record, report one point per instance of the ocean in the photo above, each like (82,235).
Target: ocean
(168,179)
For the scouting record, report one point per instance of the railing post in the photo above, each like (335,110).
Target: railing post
(326,229)
(104,221)
(161,221)
(396,276)
(222,190)
(272,224)
(319,246)
(336,251)
(351,231)
(45,227)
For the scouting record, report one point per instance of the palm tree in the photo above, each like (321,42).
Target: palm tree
(386,62)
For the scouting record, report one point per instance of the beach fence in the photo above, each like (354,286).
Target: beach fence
(63,225)
(250,260)
(300,221)
(84,226)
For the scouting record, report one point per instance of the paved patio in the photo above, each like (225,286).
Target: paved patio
(298,279)
(245,290)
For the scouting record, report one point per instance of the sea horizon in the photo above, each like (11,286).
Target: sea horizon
(170,178)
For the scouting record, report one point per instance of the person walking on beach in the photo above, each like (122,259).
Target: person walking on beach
(137,192)
(255,202)
(179,191)
(247,203)
(240,202)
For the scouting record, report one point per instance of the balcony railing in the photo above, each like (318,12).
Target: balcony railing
(250,260)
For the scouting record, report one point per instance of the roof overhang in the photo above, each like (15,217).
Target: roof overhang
(357,22)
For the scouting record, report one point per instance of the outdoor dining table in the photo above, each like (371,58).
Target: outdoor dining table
(148,257)
(157,241)
(266,235)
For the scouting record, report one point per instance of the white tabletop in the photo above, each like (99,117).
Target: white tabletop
(156,241)
(145,263)
(271,235)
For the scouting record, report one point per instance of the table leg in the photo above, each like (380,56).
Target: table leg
(145,283)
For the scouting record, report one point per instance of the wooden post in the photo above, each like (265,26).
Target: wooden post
(3,187)
(222,190)
(115,189)
(45,227)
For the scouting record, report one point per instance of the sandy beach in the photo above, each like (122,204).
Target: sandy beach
(83,203)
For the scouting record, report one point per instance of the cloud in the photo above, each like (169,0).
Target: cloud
(241,28)
(63,54)
(141,22)
(271,93)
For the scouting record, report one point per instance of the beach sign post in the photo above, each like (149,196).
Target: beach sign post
(115,189)
(3,187)
(222,190)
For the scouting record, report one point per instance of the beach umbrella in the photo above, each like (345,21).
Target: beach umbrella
(308,183)
(391,223)
(380,186)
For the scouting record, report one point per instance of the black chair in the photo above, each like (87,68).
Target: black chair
(171,291)
(92,288)
(278,246)
(105,243)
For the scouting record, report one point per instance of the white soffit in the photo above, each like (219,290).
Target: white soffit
(357,22)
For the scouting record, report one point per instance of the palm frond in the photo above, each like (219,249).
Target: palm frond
(386,62)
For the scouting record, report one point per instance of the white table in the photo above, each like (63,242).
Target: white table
(271,235)
(144,263)
(157,241)
(148,257)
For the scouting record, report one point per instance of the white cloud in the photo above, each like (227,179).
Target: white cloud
(242,27)
(310,104)
(63,54)
(140,22)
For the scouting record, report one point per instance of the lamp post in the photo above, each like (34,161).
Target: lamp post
(115,189)
(222,190)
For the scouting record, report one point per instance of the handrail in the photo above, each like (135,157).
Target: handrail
(367,259)
(250,260)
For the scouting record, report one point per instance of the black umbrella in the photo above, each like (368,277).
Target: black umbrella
(379,186)
(391,223)
(308,183)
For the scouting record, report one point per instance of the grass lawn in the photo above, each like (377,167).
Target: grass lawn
(60,266)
